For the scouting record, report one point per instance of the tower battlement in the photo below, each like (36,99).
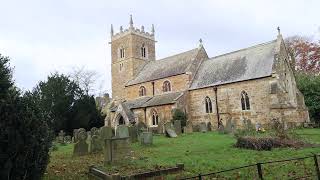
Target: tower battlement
(132,30)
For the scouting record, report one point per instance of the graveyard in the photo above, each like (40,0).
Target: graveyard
(198,151)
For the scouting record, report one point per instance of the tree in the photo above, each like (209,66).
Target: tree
(304,53)
(309,85)
(86,79)
(24,134)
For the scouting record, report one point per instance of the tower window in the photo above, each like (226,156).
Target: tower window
(166,86)
(142,91)
(121,66)
(143,51)
(208,105)
(245,102)
(155,118)
(121,53)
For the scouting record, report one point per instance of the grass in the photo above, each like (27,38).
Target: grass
(200,152)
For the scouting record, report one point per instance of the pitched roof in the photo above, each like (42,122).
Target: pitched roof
(163,99)
(245,64)
(170,66)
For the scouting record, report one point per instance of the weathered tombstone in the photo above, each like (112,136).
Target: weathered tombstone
(81,147)
(61,137)
(133,133)
(146,138)
(116,149)
(75,133)
(230,126)
(94,131)
(95,144)
(141,127)
(196,128)
(67,139)
(122,131)
(170,130)
(160,127)
(188,128)
(221,129)
(203,127)
(209,126)
(177,126)
(106,132)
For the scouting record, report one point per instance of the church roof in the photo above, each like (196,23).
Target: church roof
(163,99)
(245,64)
(169,66)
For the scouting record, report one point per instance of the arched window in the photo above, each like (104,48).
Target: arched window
(208,105)
(155,118)
(166,86)
(143,51)
(245,102)
(121,53)
(142,91)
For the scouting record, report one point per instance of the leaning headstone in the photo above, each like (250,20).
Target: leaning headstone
(133,133)
(61,137)
(81,147)
(177,126)
(209,126)
(146,138)
(203,127)
(170,130)
(122,131)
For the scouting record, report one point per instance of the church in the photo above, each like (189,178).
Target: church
(256,83)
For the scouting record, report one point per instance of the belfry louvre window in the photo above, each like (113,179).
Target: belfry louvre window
(143,51)
(155,118)
(142,91)
(245,102)
(166,86)
(121,53)
(208,105)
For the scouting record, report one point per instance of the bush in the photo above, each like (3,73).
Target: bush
(24,134)
(180,115)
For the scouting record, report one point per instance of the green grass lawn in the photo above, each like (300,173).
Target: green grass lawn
(200,152)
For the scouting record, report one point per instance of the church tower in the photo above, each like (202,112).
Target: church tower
(130,49)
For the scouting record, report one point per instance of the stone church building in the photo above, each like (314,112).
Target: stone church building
(255,83)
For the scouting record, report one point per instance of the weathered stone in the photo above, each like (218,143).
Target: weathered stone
(94,131)
(177,126)
(116,149)
(67,139)
(160,128)
(95,144)
(133,133)
(170,130)
(81,147)
(106,132)
(61,137)
(141,127)
(122,131)
(209,126)
(203,127)
(196,128)
(146,138)
(230,126)
(221,129)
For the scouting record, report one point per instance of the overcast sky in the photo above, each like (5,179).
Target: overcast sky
(43,36)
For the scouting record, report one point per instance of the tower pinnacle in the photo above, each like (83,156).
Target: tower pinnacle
(152,29)
(131,22)
(111,31)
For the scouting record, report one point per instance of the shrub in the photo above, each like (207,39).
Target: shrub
(24,134)
(180,115)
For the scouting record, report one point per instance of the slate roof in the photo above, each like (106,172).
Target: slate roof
(167,98)
(169,66)
(245,64)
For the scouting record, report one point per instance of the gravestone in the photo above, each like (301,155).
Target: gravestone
(141,127)
(116,149)
(177,126)
(160,127)
(209,126)
(196,128)
(67,139)
(133,133)
(95,144)
(188,128)
(122,131)
(146,138)
(75,139)
(81,147)
(230,126)
(221,129)
(94,131)
(61,137)
(169,129)
(203,127)
(106,132)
